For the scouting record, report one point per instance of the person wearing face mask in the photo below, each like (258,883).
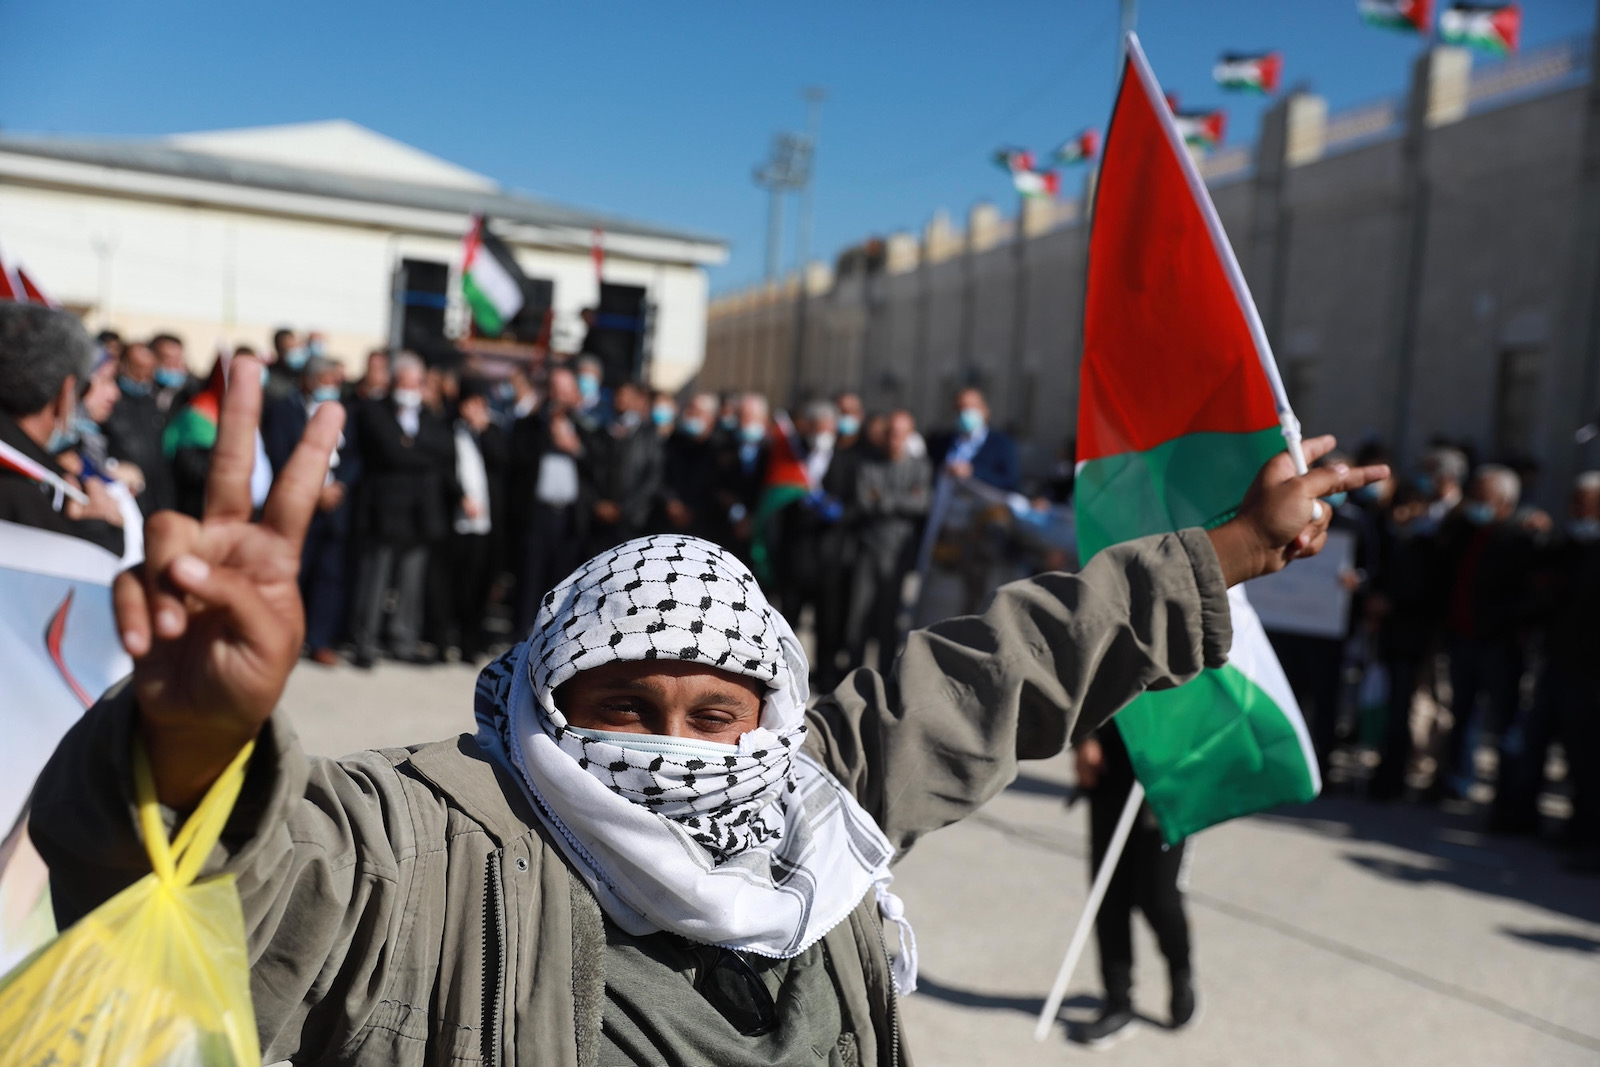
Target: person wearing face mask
(44,354)
(794,533)
(663,414)
(596,405)
(289,357)
(742,471)
(688,474)
(135,427)
(326,547)
(407,494)
(174,384)
(974,449)
(627,465)
(1566,590)
(1486,562)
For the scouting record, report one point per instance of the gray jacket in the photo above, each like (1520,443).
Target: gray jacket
(407,906)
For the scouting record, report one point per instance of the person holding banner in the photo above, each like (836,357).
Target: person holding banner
(44,355)
(547,891)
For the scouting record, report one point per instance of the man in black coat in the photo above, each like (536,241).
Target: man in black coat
(404,508)
(688,482)
(44,354)
(322,558)
(482,452)
(549,487)
(133,432)
(626,460)
(741,472)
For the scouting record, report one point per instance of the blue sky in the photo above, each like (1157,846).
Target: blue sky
(661,110)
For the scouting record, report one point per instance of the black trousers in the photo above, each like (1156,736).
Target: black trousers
(1312,665)
(322,585)
(551,549)
(1146,878)
(471,574)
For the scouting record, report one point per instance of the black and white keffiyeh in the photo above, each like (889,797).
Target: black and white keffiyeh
(754,846)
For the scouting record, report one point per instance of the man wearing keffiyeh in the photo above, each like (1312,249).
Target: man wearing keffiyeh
(655,848)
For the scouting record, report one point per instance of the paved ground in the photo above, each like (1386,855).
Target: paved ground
(1338,933)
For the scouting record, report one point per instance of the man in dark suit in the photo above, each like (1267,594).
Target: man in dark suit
(409,461)
(626,460)
(974,450)
(133,432)
(741,463)
(322,558)
(550,490)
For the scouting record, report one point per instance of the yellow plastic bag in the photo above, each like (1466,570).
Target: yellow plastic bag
(158,974)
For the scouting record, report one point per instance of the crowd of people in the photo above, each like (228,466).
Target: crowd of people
(1482,606)
(455,504)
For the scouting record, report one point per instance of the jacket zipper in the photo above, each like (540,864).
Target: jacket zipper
(894,998)
(494,941)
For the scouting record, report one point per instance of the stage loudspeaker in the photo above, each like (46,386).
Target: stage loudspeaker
(424,295)
(532,323)
(617,333)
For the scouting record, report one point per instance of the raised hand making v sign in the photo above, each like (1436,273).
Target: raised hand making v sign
(213,618)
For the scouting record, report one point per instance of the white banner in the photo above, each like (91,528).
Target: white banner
(59,651)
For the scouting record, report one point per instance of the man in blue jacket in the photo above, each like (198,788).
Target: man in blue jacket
(973,450)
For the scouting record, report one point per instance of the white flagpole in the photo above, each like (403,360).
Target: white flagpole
(1230,262)
(1091,908)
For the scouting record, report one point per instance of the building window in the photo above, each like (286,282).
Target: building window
(1516,401)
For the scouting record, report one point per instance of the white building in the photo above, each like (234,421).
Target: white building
(222,237)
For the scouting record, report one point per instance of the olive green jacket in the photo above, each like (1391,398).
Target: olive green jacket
(408,907)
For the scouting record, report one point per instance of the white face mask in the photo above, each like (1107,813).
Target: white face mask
(658,744)
(822,442)
(408,398)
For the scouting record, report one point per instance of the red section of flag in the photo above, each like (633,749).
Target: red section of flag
(10,286)
(597,249)
(1089,143)
(32,290)
(784,467)
(1168,350)
(1271,67)
(1419,13)
(1508,24)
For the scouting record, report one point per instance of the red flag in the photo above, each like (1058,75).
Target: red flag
(34,293)
(1164,287)
(784,467)
(10,286)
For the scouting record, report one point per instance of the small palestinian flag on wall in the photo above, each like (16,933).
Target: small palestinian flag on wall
(1025,176)
(1495,28)
(1252,73)
(494,286)
(1408,16)
(1201,129)
(1079,149)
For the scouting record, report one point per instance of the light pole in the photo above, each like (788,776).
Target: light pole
(787,169)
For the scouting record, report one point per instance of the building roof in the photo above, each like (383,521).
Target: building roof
(335,159)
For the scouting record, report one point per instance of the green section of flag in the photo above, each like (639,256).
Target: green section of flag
(484,313)
(774,498)
(1194,480)
(1214,749)
(189,429)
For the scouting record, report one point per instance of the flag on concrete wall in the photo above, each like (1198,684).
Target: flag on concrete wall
(1179,407)
(1493,28)
(1257,73)
(1202,129)
(494,286)
(1409,16)
(1026,177)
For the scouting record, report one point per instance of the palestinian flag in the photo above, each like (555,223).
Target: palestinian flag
(1080,149)
(1258,73)
(1180,405)
(1026,178)
(195,424)
(1202,129)
(493,284)
(1408,16)
(787,481)
(1493,28)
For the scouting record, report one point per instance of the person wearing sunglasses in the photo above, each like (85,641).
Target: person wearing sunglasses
(655,847)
